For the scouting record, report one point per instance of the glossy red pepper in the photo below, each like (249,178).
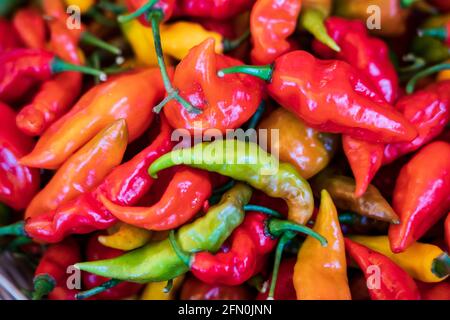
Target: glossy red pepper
(62,293)
(390,282)
(224,103)
(194,289)
(284,289)
(9,39)
(434,291)
(96,251)
(218,10)
(30,26)
(18,184)
(271,23)
(421,195)
(166,6)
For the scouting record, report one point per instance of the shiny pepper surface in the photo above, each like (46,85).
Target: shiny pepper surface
(218,10)
(125,237)
(30,26)
(166,6)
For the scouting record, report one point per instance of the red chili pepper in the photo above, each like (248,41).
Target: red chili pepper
(9,39)
(434,291)
(421,195)
(55,9)
(284,289)
(447,231)
(390,282)
(218,10)
(96,251)
(442,5)
(18,184)
(140,7)
(62,293)
(271,23)
(225,28)
(30,26)
(52,269)
(224,103)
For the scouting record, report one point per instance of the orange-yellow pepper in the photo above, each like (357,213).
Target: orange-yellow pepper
(443,75)
(84,5)
(321,272)
(84,170)
(155,290)
(125,237)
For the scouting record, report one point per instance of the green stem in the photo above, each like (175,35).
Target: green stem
(227,186)
(254,120)
(441,265)
(268,211)
(15,229)
(18,242)
(168,286)
(159,106)
(97,290)
(262,72)
(424,73)
(285,238)
(312,20)
(43,284)
(347,218)
(277,227)
(185,257)
(229,45)
(438,33)
(407,3)
(90,39)
(145,8)
(57,65)
(417,63)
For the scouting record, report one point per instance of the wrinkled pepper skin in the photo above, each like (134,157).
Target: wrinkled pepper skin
(395,283)
(30,26)
(421,195)
(271,23)
(217,10)
(96,251)
(157,261)
(321,272)
(98,107)
(125,237)
(18,184)
(184,197)
(84,170)
(308,150)
(194,289)
(9,39)
(284,289)
(226,103)
(251,164)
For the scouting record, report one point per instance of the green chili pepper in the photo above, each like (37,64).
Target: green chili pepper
(430,49)
(246,161)
(157,261)
(313,20)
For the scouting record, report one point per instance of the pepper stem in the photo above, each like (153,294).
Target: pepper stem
(347,218)
(429,71)
(43,284)
(268,211)
(182,255)
(285,238)
(417,63)
(254,120)
(262,72)
(277,227)
(90,39)
(128,17)
(312,20)
(168,286)
(229,45)
(97,290)
(441,266)
(227,186)
(57,65)
(439,33)
(15,229)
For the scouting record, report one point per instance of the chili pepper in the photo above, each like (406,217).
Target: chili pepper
(95,251)
(183,198)
(371,204)
(125,237)
(254,238)
(226,28)
(100,106)
(353,223)
(444,74)
(430,49)
(9,39)
(423,261)
(442,33)
(246,161)
(157,261)
(83,5)
(447,231)
(142,8)
(330,96)
(225,103)
(308,150)
(194,289)
(421,195)
(62,293)
(30,26)
(271,23)
(394,283)
(313,276)
(84,170)
(392,14)
(18,184)
(22,68)
(442,5)
(284,289)
(52,269)
(217,10)
(158,290)
(436,291)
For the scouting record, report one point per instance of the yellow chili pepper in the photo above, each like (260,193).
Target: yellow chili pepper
(125,237)
(422,261)
(321,272)
(84,5)
(155,290)
(443,75)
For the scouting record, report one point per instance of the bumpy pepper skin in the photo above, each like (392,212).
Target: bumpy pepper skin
(18,184)
(194,289)
(284,289)
(271,23)
(9,39)
(100,106)
(321,272)
(394,282)
(184,197)
(30,26)
(125,237)
(84,170)
(308,150)
(226,103)
(421,195)
(246,161)
(155,290)
(418,259)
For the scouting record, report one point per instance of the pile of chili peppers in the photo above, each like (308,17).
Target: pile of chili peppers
(124,171)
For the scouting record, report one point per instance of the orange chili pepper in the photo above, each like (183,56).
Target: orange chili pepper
(30,26)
